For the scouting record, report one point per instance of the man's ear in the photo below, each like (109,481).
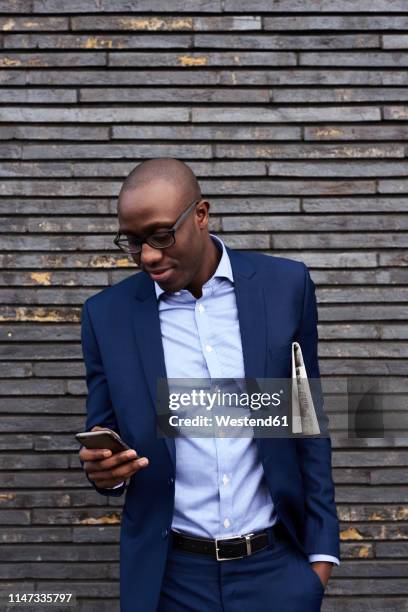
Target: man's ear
(202,211)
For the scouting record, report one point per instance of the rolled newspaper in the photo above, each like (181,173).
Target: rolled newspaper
(304,419)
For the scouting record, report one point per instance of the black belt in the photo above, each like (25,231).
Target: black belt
(225,549)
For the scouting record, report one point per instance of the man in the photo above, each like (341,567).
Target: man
(199,309)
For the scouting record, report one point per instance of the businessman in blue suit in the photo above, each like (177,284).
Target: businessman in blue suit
(208,524)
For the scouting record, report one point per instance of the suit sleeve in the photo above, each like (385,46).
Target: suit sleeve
(98,402)
(321,529)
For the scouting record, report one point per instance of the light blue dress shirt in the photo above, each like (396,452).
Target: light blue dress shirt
(220,486)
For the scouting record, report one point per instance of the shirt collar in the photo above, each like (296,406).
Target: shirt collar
(223,270)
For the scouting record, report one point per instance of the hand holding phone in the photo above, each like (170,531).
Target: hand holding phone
(106,458)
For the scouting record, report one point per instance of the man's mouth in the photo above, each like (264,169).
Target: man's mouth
(160,275)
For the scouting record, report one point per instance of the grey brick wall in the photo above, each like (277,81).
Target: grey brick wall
(294,116)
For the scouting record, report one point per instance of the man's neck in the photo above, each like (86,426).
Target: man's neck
(212,258)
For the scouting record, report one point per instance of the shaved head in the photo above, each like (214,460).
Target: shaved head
(176,173)
(152,199)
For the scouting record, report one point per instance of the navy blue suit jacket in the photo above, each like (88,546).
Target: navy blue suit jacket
(123,353)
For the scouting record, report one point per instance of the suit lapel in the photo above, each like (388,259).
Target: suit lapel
(251,314)
(251,305)
(146,324)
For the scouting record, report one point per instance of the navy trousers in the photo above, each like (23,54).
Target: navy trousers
(276,579)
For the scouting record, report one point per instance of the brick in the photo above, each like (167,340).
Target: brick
(133,151)
(59,571)
(312,77)
(55,279)
(359,113)
(41,314)
(389,476)
(38,96)
(337,95)
(36,170)
(22,24)
(44,405)
(143,23)
(33,132)
(74,516)
(115,6)
(46,296)
(44,499)
(328,223)
(337,22)
(331,6)
(35,534)
(55,206)
(91,41)
(354,59)
(188,60)
(372,512)
(339,169)
(163,23)
(64,553)
(393,186)
(276,187)
(395,41)
(372,494)
(219,132)
(16,6)
(370,459)
(369,313)
(337,241)
(87,115)
(39,425)
(399,113)
(124,94)
(360,132)
(309,151)
(293,42)
(96,534)
(34,462)
(362,277)
(50,60)
(15,517)
(30,387)
(393,259)
(60,370)
(20,370)
(341,205)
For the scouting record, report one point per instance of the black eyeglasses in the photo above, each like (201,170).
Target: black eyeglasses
(158,240)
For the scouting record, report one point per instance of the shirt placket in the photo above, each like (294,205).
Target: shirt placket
(215,369)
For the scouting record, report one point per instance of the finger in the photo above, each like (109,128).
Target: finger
(111,462)
(94,454)
(122,472)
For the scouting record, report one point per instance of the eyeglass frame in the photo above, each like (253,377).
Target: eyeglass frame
(171,231)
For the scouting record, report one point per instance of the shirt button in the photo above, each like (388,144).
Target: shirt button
(225,479)
(177,293)
(208,348)
(201,308)
(226,523)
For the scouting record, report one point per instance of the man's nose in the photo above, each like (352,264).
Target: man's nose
(149,255)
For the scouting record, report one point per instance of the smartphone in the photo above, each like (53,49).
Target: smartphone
(103,438)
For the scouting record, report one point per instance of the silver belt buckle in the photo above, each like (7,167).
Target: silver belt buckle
(248,547)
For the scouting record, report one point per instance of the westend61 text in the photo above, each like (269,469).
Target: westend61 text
(228,421)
